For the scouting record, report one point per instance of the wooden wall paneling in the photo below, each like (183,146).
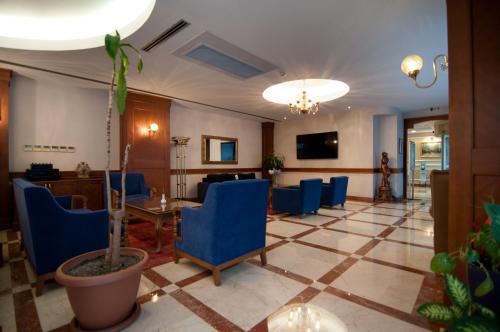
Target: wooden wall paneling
(150,154)
(267,143)
(474,118)
(5,192)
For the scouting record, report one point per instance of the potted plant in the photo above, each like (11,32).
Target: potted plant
(102,285)
(482,255)
(274,165)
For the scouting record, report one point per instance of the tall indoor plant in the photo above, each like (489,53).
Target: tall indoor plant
(102,285)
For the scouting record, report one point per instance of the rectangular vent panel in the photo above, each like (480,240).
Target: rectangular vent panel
(213,52)
(169,33)
(222,61)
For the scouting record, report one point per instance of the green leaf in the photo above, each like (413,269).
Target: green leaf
(112,44)
(436,311)
(493,211)
(483,311)
(121,90)
(472,255)
(473,324)
(457,291)
(485,287)
(457,312)
(443,263)
(140,64)
(124,59)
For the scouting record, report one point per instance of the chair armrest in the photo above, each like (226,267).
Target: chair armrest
(191,223)
(81,198)
(64,201)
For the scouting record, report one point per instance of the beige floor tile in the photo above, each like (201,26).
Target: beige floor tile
(333,213)
(386,211)
(336,240)
(353,226)
(424,225)
(7,313)
(310,219)
(350,207)
(361,319)
(393,287)
(285,229)
(247,293)
(413,236)
(303,260)
(403,254)
(146,286)
(53,308)
(177,272)
(5,281)
(376,218)
(422,215)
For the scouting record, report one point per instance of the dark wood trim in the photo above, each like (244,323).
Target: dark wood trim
(5,220)
(267,144)
(339,170)
(360,199)
(134,89)
(191,171)
(408,123)
(97,174)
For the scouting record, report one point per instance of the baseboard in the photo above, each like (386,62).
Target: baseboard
(360,199)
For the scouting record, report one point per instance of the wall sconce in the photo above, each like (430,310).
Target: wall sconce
(153,128)
(412,64)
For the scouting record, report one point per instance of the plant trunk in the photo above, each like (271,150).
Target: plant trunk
(108,158)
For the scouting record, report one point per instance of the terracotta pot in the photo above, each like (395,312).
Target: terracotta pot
(101,302)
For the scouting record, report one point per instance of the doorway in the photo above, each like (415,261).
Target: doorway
(426,149)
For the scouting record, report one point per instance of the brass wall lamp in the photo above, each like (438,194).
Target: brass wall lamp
(153,129)
(412,64)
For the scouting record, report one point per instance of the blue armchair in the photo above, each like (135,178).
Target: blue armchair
(134,185)
(51,233)
(298,200)
(229,228)
(335,192)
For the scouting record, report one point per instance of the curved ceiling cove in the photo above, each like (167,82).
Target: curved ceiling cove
(68,24)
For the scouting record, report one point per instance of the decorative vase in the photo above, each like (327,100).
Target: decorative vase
(490,300)
(106,301)
(163,201)
(274,179)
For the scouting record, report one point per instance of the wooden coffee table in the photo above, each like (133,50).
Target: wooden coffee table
(151,210)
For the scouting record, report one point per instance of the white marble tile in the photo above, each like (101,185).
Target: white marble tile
(3,236)
(386,211)
(424,225)
(303,260)
(403,254)
(400,206)
(310,219)
(146,286)
(376,218)
(247,293)
(7,313)
(170,288)
(167,314)
(177,272)
(350,207)
(413,236)
(53,308)
(285,228)
(361,319)
(422,215)
(270,240)
(359,203)
(358,227)
(333,213)
(5,281)
(393,287)
(336,240)
(318,285)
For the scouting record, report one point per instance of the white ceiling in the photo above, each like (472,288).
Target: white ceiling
(360,42)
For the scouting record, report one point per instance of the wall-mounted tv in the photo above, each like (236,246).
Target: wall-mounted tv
(318,146)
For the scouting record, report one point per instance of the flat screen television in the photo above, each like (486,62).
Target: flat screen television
(318,146)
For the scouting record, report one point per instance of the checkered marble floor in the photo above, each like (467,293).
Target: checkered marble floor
(366,263)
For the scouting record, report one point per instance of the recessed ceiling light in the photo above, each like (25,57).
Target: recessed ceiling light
(57,25)
(348,107)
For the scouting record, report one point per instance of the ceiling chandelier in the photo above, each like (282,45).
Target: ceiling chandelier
(304,96)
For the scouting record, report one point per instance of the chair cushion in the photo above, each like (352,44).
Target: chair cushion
(246,176)
(219,177)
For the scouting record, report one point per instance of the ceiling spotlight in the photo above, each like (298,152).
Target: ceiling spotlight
(412,64)
(348,107)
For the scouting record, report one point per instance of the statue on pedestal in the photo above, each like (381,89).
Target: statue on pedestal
(384,191)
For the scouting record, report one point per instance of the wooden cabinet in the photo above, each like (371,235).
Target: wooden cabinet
(92,188)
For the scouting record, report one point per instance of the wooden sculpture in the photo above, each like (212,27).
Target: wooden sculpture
(384,191)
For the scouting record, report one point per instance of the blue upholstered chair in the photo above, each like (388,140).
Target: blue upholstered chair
(335,192)
(134,185)
(298,200)
(228,228)
(51,232)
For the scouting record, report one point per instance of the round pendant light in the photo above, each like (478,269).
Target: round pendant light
(68,24)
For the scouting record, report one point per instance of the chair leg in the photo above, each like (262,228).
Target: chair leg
(216,275)
(176,257)
(263,257)
(316,212)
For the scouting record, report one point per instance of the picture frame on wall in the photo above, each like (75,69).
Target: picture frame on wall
(431,149)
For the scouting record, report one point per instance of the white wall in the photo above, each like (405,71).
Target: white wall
(361,137)
(46,111)
(193,123)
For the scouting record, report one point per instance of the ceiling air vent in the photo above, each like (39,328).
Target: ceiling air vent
(213,52)
(181,24)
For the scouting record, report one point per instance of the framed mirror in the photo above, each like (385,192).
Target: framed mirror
(219,150)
